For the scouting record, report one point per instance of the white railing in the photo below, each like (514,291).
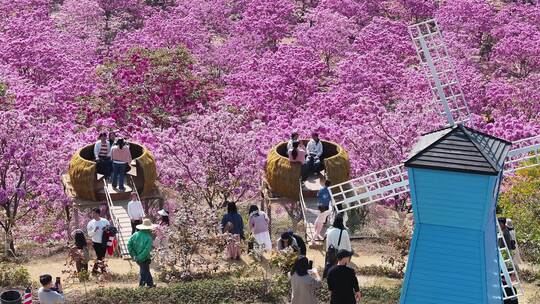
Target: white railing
(370,188)
(439,70)
(525,154)
(304,207)
(116,222)
(510,277)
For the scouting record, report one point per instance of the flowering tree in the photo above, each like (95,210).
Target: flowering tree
(191,246)
(265,22)
(150,86)
(209,158)
(269,87)
(328,33)
(24,180)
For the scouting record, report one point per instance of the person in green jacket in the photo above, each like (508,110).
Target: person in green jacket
(139,247)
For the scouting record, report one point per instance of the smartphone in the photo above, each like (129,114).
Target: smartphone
(310,263)
(57,280)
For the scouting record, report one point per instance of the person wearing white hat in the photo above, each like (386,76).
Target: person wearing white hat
(164,217)
(513,242)
(139,247)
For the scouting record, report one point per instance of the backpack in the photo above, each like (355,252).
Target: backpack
(331,255)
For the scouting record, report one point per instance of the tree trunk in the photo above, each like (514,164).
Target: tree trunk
(9,246)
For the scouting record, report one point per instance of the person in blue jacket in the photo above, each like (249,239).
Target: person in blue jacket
(324,197)
(235,218)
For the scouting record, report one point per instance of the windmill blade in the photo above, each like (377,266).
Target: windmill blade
(370,188)
(439,71)
(510,283)
(525,154)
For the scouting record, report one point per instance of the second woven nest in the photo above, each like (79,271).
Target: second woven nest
(283,176)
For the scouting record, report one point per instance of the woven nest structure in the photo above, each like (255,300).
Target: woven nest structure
(283,176)
(83,178)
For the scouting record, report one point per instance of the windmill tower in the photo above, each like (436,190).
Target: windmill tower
(453,176)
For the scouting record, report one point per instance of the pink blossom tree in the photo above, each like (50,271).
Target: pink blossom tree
(29,174)
(159,84)
(209,157)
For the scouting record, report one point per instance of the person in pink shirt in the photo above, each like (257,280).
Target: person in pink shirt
(297,154)
(258,223)
(121,158)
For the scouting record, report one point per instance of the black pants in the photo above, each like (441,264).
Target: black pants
(134,224)
(100,250)
(104,166)
(146,276)
(313,164)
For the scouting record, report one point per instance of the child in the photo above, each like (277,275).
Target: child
(233,242)
(324,197)
(80,251)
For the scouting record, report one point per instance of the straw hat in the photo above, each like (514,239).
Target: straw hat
(146,225)
(162,212)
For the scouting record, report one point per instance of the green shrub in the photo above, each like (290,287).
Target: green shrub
(521,203)
(14,276)
(370,295)
(199,291)
(223,290)
(379,270)
(527,275)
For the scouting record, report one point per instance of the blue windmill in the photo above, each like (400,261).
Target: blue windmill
(453,176)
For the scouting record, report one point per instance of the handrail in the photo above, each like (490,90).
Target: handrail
(113,218)
(303,206)
(134,188)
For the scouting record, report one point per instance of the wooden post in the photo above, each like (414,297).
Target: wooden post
(76,218)
(269,216)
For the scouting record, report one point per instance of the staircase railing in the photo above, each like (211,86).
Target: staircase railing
(134,188)
(115,220)
(303,207)
(511,286)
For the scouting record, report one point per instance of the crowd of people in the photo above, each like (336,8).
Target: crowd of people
(113,158)
(304,278)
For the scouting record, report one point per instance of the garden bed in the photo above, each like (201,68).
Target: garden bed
(221,290)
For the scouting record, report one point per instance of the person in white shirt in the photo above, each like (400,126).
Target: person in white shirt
(315,151)
(135,211)
(49,294)
(337,237)
(332,235)
(95,231)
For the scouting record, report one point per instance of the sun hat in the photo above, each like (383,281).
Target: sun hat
(509,224)
(146,225)
(343,253)
(162,212)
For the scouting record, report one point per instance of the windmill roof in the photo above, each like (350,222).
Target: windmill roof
(460,149)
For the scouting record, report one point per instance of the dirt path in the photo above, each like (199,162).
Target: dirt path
(55,264)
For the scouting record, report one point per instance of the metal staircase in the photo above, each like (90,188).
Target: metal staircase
(310,212)
(117,205)
(511,285)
